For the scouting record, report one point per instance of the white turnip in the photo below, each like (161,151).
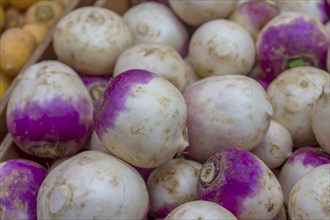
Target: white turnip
(221,47)
(90,38)
(240,182)
(309,198)
(93,185)
(276,147)
(140,118)
(158,58)
(50,112)
(292,95)
(171,185)
(215,116)
(152,22)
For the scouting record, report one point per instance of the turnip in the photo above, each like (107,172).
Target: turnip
(254,14)
(140,118)
(20,180)
(152,22)
(215,116)
(90,38)
(282,215)
(190,72)
(240,182)
(221,47)
(158,58)
(50,112)
(96,144)
(292,95)
(95,85)
(171,185)
(276,147)
(299,163)
(291,39)
(195,13)
(93,185)
(309,198)
(321,119)
(200,209)
(317,8)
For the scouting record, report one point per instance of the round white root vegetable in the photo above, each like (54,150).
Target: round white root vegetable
(191,73)
(321,119)
(50,112)
(200,209)
(158,58)
(89,39)
(298,164)
(93,185)
(282,215)
(151,22)
(240,182)
(276,147)
(196,13)
(221,47)
(172,184)
(309,198)
(292,95)
(96,144)
(215,116)
(141,118)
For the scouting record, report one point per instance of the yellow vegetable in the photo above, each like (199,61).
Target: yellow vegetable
(39,31)
(22,4)
(13,18)
(44,12)
(16,47)
(2,18)
(5,81)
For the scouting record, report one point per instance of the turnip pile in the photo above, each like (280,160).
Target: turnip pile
(176,110)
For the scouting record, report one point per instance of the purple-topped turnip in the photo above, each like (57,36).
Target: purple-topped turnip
(90,38)
(141,118)
(158,58)
(152,22)
(215,119)
(240,182)
(20,180)
(95,85)
(298,164)
(276,146)
(254,14)
(291,39)
(171,185)
(221,47)
(292,95)
(50,112)
(200,209)
(93,185)
(196,13)
(317,8)
(321,119)
(310,198)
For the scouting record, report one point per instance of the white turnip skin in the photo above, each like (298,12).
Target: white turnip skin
(292,95)
(221,47)
(152,22)
(93,185)
(286,41)
(20,181)
(309,198)
(215,119)
(276,146)
(316,8)
(158,58)
(321,119)
(254,14)
(50,112)
(200,209)
(298,164)
(196,13)
(191,73)
(240,182)
(141,118)
(171,185)
(90,38)
(96,144)
(282,215)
